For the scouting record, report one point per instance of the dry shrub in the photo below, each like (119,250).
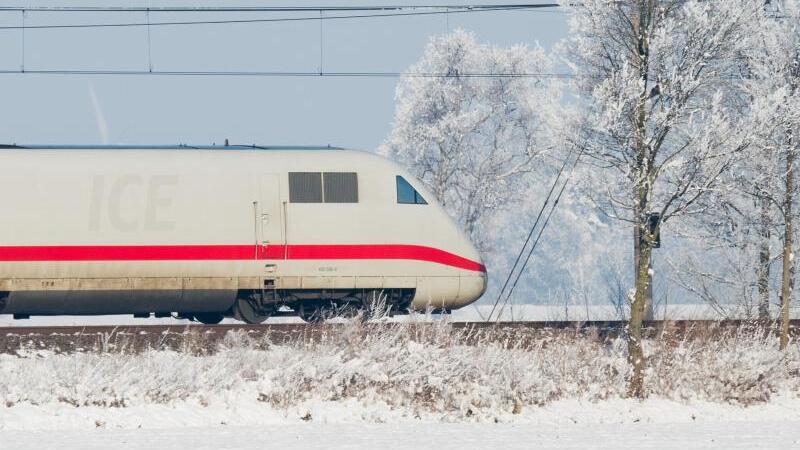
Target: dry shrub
(736,365)
(412,367)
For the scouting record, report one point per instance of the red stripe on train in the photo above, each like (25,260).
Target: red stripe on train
(233,252)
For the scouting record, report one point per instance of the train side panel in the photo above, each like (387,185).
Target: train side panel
(142,231)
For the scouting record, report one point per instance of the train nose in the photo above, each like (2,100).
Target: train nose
(470,288)
(456,290)
(472,279)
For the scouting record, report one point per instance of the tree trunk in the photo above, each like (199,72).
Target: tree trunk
(642,281)
(643,240)
(762,270)
(648,298)
(786,278)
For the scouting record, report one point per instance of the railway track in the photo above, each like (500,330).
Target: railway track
(205,338)
(294,327)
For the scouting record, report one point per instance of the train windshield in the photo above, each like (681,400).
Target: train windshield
(406,194)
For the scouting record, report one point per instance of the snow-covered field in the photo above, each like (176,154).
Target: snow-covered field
(401,386)
(623,424)
(428,370)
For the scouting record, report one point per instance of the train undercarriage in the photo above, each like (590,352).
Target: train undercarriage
(315,306)
(212,306)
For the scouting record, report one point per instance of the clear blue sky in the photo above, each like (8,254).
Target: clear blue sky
(351,112)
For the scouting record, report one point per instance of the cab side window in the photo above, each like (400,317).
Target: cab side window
(406,194)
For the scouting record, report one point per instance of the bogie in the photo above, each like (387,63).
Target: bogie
(209,318)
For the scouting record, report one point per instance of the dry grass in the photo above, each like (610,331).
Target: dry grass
(416,368)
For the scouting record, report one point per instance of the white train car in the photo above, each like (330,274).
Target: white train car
(209,232)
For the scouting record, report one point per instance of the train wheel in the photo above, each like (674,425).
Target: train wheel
(209,318)
(245,310)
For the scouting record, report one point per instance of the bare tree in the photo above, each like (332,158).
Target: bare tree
(657,82)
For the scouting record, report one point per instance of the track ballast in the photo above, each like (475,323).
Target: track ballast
(206,338)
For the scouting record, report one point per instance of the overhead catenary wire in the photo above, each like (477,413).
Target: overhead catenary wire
(453,10)
(527,239)
(304,74)
(399,10)
(329,8)
(521,271)
(539,236)
(247,73)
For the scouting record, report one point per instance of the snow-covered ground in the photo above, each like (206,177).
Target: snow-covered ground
(402,386)
(658,424)
(255,414)
(720,435)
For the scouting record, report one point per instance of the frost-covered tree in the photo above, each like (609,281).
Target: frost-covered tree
(747,222)
(775,90)
(472,140)
(658,83)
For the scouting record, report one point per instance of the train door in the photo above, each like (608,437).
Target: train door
(270,248)
(272,239)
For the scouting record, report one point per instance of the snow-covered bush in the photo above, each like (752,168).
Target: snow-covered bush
(741,366)
(414,369)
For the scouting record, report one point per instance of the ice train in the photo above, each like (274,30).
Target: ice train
(223,231)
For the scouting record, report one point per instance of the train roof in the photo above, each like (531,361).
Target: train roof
(166,147)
